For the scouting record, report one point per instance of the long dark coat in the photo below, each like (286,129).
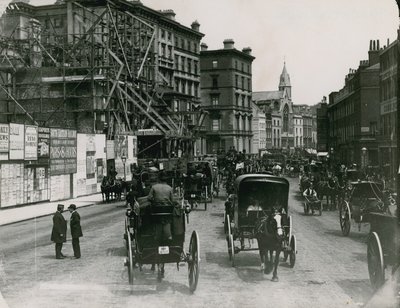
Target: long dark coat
(75,224)
(59,227)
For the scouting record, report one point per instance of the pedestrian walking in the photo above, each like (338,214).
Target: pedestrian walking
(59,232)
(76,230)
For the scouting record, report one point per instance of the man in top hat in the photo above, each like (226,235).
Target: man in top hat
(76,230)
(59,232)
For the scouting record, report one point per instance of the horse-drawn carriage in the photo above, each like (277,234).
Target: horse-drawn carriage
(147,242)
(365,197)
(198,183)
(258,209)
(383,246)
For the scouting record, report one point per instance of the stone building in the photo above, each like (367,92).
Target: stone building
(226,92)
(278,106)
(117,80)
(259,129)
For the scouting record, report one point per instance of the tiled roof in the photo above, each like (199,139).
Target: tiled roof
(267,95)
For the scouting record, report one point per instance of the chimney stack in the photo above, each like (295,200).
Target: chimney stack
(203,47)
(170,14)
(373,53)
(195,26)
(247,50)
(229,44)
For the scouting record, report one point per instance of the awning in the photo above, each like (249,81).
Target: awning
(322,154)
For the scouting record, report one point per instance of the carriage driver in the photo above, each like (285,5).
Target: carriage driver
(161,194)
(311,195)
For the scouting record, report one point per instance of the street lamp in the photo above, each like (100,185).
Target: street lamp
(123,158)
(364,157)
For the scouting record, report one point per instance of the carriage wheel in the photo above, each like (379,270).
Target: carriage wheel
(287,240)
(194,261)
(231,248)
(376,267)
(225,223)
(293,251)
(344,216)
(129,261)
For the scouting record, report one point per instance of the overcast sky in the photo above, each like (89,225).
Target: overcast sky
(319,39)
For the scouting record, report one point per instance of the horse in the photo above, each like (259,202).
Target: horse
(270,236)
(105,189)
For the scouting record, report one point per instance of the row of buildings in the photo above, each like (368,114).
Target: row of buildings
(358,125)
(106,84)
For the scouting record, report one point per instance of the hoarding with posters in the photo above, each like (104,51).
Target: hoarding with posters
(63,158)
(4,141)
(31,142)
(16,141)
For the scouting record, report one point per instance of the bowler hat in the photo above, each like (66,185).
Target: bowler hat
(60,207)
(72,207)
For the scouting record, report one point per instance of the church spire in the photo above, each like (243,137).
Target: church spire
(284,81)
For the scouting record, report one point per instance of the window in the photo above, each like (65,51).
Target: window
(162,33)
(195,68)
(58,22)
(215,100)
(215,64)
(189,66)
(196,90)
(215,82)
(162,50)
(176,62)
(243,100)
(243,83)
(249,84)
(170,52)
(237,99)
(215,125)
(236,64)
(169,35)
(183,86)
(237,81)
(183,64)
(242,67)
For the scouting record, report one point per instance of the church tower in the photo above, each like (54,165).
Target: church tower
(284,82)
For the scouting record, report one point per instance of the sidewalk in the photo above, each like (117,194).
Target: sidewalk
(12,215)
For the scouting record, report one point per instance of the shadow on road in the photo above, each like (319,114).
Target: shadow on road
(116,251)
(357,289)
(355,236)
(219,258)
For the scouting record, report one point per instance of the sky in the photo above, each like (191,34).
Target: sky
(320,40)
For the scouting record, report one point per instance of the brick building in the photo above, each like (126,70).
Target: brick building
(226,92)
(322,127)
(388,108)
(353,114)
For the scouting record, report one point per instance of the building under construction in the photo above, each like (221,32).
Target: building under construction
(100,66)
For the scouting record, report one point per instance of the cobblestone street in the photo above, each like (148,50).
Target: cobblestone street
(330,271)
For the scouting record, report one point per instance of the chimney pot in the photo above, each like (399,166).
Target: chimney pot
(203,46)
(229,44)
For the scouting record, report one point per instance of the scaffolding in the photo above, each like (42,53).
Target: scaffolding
(105,64)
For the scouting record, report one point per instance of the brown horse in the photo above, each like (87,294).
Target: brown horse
(270,236)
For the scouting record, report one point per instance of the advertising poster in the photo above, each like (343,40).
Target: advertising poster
(90,157)
(16,141)
(43,142)
(63,151)
(31,142)
(4,141)
(121,146)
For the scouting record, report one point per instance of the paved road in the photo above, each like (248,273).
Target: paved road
(330,271)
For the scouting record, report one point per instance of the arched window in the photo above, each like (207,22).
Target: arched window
(286,118)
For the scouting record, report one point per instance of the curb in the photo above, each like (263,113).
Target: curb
(44,215)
